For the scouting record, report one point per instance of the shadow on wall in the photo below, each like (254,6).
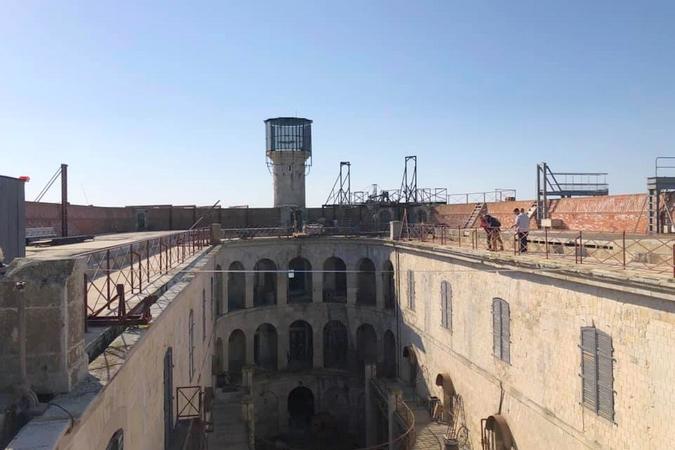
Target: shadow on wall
(448,408)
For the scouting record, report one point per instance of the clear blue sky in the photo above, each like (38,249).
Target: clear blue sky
(164,102)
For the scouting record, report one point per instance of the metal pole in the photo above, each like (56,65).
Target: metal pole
(64,200)
(107,274)
(147,259)
(581,248)
(121,305)
(131,266)
(459,236)
(546,240)
(86,305)
(623,248)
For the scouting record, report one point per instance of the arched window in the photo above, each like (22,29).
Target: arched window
(388,285)
(299,281)
(116,442)
(446,305)
(501,329)
(334,280)
(191,344)
(236,287)
(265,286)
(301,350)
(236,354)
(365,286)
(389,354)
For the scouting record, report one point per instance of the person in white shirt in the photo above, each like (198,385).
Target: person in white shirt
(522,226)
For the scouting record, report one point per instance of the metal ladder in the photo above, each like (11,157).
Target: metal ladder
(474,214)
(653,208)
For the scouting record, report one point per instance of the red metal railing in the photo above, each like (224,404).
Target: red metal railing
(116,275)
(654,254)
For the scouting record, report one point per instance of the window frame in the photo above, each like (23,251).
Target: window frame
(411,290)
(191,344)
(446,305)
(501,329)
(597,372)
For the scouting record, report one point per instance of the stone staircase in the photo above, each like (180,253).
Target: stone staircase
(229,430)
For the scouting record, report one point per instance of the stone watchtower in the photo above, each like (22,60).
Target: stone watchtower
(289,154)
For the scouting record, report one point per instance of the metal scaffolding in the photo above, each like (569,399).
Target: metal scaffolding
(566,184)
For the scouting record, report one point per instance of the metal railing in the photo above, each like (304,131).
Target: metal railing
(654,254)
(498,195)
(116,275)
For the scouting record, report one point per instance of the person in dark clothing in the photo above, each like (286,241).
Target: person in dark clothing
(492,227)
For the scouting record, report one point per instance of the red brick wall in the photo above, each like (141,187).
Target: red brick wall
(608,213)
(504,212)
(454,215)
(81,219)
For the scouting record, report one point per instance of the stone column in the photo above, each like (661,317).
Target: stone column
(250,281)
(282,286)
(50,294)
(379,288)
(282,346)
(352,285)
(391,410)
(371,408)
(317,344)
(317,282)
(395,227)
(250,348)
(216,233)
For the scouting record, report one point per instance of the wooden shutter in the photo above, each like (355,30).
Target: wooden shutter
(505,331)
(496,328)
(605,365)
(589,368)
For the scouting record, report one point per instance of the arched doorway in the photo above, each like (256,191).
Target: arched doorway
(236,287)
(366,346)
(389,355)
(334,280)
(265,347)
(413,367)
(265,285)
(301,350)
(236,355)
(444,381)
(300,409)
(335,345)
(299,281)
(365,286)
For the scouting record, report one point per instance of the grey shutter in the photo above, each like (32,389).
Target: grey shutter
(411,290)
(448,297)
(588,368)
(506,331)
(444,304)
(496,328)
(605,365)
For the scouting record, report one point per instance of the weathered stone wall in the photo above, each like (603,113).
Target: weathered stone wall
(540,389)
(317,313)
(125,386)
(52,294)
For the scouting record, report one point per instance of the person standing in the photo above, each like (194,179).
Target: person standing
(522,226)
